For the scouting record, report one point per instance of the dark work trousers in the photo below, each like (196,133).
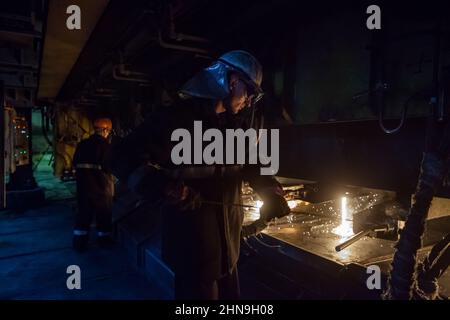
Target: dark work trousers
(95,191)
(90,207)
(95,186)
(225,288)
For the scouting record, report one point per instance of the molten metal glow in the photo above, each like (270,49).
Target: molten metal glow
(259,204)
(345,229)
(292,204)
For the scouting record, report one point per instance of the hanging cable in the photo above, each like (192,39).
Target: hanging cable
(403,114)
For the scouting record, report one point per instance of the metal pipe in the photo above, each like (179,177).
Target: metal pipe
(353,239)
(167,45)
(34,34)
(218,203)
(127,73)
(118,76)
(377,84)
(181,36)
(15,67)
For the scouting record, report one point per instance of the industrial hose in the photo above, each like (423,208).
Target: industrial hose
(433,266)
(402,279)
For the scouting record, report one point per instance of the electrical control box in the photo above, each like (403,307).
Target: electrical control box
(21,141)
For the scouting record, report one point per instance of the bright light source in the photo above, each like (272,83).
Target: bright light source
(345,229)
(259,204)
(292,204)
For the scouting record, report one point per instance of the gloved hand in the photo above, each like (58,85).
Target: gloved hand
(182,196)
(275,206)
(253,228)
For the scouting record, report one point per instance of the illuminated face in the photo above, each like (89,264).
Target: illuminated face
(104,132)
(238,98)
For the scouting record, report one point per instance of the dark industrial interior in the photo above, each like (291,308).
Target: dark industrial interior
(353,107)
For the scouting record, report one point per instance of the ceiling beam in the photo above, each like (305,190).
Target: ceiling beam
(62,46)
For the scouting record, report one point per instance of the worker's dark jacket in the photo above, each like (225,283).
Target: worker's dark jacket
(202,243)
(94,183)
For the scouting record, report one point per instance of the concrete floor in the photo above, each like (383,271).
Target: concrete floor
(35,251)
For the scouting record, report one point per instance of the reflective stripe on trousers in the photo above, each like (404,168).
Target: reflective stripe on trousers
(80,232)
(103,234)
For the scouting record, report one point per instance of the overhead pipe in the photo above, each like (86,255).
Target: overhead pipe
(105,95)
(104,90)
(120,73)
(130,73)
(17,67)
(101,92)
(181,36)
(84,101)
(377,84)
(199,52)
(167,45)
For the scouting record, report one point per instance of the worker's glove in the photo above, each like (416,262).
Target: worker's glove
(253,228)
(275,206)
(193,200)
(182,196)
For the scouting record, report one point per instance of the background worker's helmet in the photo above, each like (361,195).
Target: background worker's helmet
(212,82)
(103,123)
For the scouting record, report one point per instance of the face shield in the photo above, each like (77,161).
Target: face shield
(254,94)
(213,83)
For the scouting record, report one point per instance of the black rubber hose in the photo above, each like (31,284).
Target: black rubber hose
(433,266)
(402,278)
(440,264)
